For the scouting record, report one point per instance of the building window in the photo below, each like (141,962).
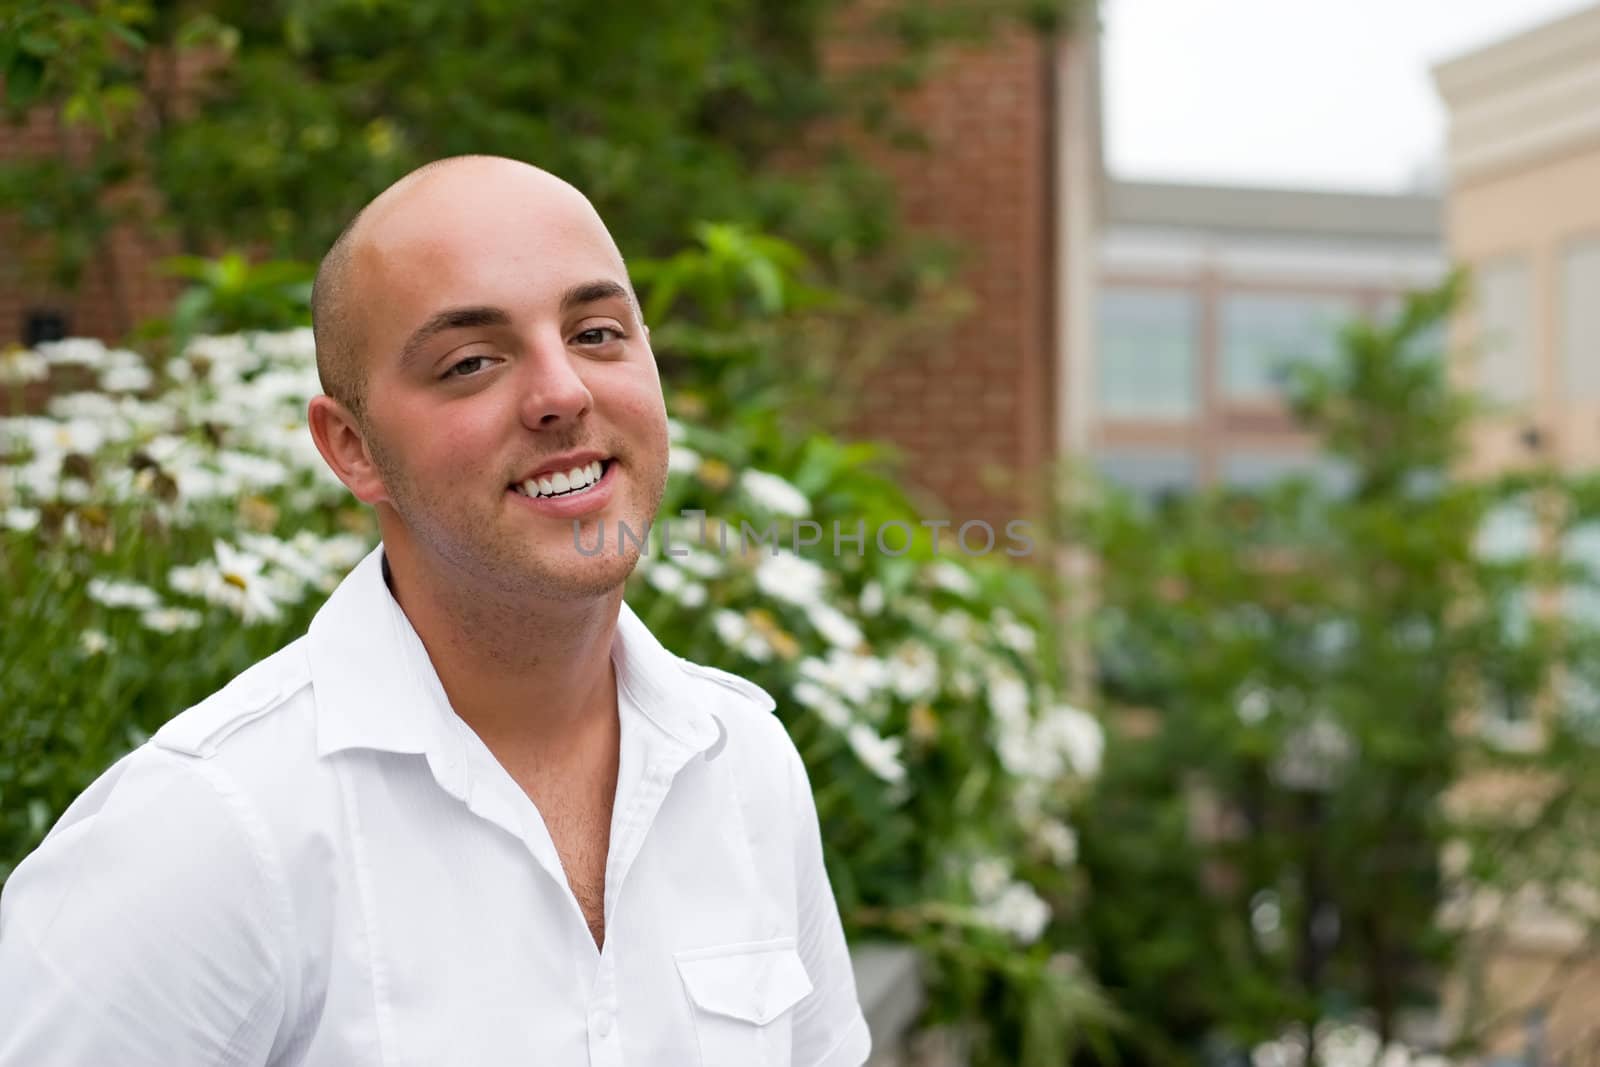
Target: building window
(1263,335)
(1580,321)
(42,324)
(1147,353)
(1581,597)
(1254,471)
(1152,474)
(1578,688)
(1509,536)
(1505,332)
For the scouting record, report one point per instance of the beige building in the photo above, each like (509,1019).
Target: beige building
(1523,213)
(1207,293)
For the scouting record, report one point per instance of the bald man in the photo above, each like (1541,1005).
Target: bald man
(477,815)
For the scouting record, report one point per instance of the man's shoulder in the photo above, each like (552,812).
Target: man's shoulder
(266,690)
(254,741)
(747,714)
(751,698)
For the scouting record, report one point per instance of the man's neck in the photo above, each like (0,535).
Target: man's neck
(530,676)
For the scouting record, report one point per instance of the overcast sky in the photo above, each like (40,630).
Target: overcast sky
(1319,93)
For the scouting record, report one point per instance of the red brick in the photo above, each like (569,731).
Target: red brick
(983,396)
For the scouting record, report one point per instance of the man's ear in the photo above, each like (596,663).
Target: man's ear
(344,448)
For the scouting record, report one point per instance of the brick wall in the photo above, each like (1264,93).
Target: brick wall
(978,402)
(122,286)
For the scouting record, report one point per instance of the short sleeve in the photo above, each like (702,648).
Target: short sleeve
(147,928)
(829,1028)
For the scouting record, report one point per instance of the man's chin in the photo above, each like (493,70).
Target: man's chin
(575,590)
(569,575)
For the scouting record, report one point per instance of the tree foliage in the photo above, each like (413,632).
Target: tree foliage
(1314,682)
(267,125)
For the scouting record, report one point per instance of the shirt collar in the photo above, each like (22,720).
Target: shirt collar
(376,688)
(655,681)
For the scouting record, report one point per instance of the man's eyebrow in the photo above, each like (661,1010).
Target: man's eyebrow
(591,292)
(464,318)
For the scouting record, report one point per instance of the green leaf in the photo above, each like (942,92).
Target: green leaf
(24,81)
(126,34)
(194,268)
(190,311)
(768,282)
(38,44)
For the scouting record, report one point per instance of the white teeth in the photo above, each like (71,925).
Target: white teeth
(575,480)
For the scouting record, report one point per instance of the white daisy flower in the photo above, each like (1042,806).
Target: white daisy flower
(880,755)
(774,494)
(114,593)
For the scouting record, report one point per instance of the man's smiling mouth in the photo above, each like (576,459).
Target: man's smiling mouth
(573,482)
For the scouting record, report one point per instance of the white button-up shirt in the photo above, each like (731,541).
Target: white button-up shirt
(323,865)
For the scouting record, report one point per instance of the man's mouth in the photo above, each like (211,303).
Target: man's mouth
(574,482)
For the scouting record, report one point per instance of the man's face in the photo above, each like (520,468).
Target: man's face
(505,362)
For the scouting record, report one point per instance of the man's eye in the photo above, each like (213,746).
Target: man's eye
(467,366)
(597,335)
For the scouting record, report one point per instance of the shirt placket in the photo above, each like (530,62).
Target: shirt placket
(605,1044)
(605,1039)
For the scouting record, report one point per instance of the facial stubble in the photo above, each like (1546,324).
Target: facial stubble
(467,539)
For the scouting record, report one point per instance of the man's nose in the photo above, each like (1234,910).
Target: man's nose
(553,390)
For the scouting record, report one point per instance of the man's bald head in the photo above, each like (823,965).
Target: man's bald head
(336,300)
(476,332)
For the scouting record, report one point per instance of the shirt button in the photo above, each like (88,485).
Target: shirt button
(602,1025)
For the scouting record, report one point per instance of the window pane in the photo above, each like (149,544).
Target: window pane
(1147,353)
(1579,703)
(1509,534)
(1261,470)
(1581,598)
(1505,314)
(1149,473)
(1262,335)
(1580,321)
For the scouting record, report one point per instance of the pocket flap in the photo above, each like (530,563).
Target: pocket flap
(756,982)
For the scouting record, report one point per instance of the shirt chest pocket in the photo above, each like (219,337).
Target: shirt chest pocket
(741,996)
